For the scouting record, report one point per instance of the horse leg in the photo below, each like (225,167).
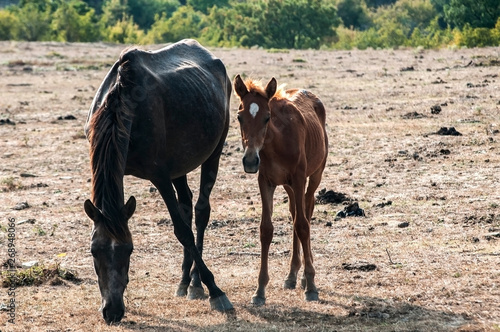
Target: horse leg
(266,236)
(202,216)
(185,197)
(302,229)
(314,181)
(184,233)
(291,280)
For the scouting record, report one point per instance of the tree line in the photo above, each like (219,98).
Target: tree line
(299,24)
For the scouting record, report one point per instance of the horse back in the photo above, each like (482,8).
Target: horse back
(178,101)
(313,115)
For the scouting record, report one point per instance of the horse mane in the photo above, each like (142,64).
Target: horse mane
(256,86)
(109,134)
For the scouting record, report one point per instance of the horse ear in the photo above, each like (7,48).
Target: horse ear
(91,210)
(129,208)
(271,88)
(240,87)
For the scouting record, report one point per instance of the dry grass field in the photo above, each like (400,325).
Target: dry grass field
(431,229)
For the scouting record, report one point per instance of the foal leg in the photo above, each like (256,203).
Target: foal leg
(291,280)
(266,236)
(302,228)
(314,181)
(184,233)
(185,197)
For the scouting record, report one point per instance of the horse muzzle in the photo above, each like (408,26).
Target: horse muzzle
(251,162)
(113,310)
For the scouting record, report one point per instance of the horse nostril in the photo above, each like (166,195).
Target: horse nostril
(111,315)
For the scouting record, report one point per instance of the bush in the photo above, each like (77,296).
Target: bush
(124,31)
(476,37)
(9,25)
(33,24)
(184,23)
(68,25)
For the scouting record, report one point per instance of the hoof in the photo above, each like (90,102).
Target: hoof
(290,284)
(182,290)
(195,293)
(221,303)
(258,301)
(312,296)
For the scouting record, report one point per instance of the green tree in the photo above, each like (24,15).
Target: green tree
(475,13)
(34,24)
(41,5)
(205,5)
(9,25)
(113,12)
(431,36)
(354,14)
(124,31)
(145,11)
(476,37)
(96,5)
(73,21)
(299,23)
(368,38)
(184,23)
(379,3)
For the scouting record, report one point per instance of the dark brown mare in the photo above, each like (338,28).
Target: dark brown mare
(157,116)
(284,137)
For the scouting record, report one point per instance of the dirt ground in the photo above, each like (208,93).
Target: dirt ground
(424,258)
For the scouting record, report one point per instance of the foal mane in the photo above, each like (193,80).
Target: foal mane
(109,133)
(256,86)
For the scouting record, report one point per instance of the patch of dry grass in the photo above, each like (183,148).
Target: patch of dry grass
(438,273)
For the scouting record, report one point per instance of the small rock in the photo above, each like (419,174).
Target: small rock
(451,131)
(410,68)
(492,236)
(445,151)
(67,117)
(21,206)
(29,265)
(26,221)
(403,224)
(380,205)
(360,266)
(436,109)
(7,122)
(27,175)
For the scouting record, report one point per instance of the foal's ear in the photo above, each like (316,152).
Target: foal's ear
(240,87)
(129,208)
(271,88)
(91,210)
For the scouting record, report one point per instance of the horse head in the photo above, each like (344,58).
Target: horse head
(111,252)
(253,115)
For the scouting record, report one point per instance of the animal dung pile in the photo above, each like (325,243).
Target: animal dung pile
(351,210)
(331,197)
(448,131)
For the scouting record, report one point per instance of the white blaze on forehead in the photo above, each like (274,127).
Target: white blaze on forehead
(254,108)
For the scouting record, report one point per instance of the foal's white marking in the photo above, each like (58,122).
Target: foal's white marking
(254,108)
